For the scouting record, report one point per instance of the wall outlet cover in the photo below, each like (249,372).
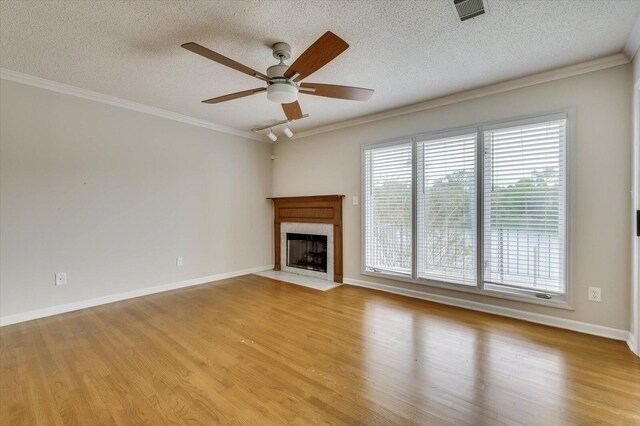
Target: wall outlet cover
(595,294)
(179,261)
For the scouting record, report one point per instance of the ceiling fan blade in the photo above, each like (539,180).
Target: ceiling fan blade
(292,110)
(210,54)
(320,53)
(340,92)
(232,96)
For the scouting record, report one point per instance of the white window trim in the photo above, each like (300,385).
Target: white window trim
(562,302)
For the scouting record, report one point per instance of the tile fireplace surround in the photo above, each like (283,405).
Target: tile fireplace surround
(319,215)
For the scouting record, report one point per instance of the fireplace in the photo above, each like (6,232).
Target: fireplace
(307,251)
(308,236)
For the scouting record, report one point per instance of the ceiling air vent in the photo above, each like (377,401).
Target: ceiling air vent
(468,8)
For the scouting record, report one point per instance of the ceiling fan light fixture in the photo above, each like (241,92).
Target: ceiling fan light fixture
(282,93)
(272,135)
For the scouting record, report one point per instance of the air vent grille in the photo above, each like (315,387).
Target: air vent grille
(468,8)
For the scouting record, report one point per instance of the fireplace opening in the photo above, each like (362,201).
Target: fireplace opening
(307,251)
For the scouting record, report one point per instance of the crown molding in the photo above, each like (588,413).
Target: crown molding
(18,77)
(633,41)
(531,80)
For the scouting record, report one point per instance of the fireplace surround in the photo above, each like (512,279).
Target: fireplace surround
(309,222)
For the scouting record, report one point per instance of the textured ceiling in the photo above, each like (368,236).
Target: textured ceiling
(408,51)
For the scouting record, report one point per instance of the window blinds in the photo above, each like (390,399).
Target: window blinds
(387,209)
(524,206)
(446,209)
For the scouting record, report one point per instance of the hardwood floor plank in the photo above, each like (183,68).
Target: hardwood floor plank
(251,350)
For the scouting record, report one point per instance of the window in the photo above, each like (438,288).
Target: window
(388,198)
(524,193)
(482,209)
(446,208)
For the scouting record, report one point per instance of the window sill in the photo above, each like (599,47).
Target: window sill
(559,302)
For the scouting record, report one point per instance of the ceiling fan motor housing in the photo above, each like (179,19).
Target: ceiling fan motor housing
(275,71)
(280,90)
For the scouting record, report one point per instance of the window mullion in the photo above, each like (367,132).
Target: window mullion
(480,207)
(414,226)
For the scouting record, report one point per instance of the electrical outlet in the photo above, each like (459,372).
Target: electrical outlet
(61,278)
(595,294)
(179,261)
(355,200)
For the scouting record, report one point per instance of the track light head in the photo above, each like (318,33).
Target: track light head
(287,131)
(272,135)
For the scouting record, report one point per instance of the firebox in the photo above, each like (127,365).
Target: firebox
(307,251)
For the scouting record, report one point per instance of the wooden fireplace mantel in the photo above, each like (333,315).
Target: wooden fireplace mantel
(311,209)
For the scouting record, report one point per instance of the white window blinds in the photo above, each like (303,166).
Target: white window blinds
(524,206)
(446,209)
(387,209)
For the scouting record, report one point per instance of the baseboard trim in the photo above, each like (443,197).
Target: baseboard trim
(88,303)
(582,327)
(633,345)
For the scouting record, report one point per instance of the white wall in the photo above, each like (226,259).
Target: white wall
(635,281)
(329,163)
(111,197)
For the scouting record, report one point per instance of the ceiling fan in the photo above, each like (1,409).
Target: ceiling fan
(283,81)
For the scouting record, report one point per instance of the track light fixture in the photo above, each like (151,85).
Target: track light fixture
(286,130)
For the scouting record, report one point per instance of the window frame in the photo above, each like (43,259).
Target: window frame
(363,203)
(443,135)
(564,301)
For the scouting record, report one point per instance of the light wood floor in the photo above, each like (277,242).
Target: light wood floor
(255,351)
